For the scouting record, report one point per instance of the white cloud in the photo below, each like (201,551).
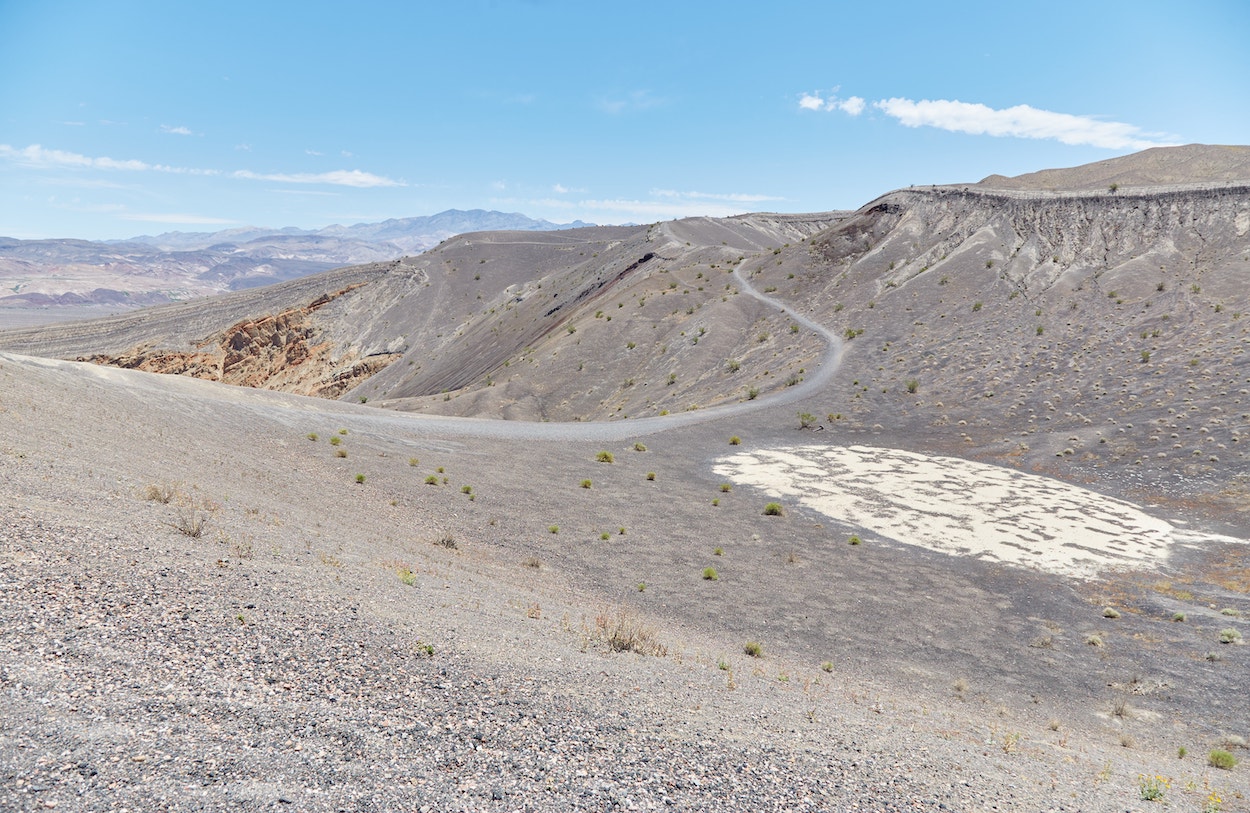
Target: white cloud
(165,128)
(313,152)
(559,189)
(852,105)
(341,177)
(37,157)
(1020,121)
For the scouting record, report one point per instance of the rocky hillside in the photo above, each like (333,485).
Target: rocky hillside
(1067,330)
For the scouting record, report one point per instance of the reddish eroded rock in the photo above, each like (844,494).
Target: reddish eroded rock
(275,352)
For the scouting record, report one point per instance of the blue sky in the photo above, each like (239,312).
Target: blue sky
(123,118)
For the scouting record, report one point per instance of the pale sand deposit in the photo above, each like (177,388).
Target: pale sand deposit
(961,508)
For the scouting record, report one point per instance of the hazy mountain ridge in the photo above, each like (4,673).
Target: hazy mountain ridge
(174,266)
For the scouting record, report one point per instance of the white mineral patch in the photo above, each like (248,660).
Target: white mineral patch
(959,507)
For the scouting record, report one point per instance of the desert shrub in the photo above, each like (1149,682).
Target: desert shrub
(710,574)
(340,453)
(650,475)
(753,649)
(336,440)
(605,457)
(1110,612)
(412,461)
(447,541)
(1219,758)
(1230,636)
(360,478)
(735,440)
(431,480)
(406,576)
(718,552)
(466,489)
(912,385)
(725,488)
(773,509)
(638,447)
(854,540)
(605,536)
(189,520)
(586,484)
(623,631)
(1178,616)
(531,562)
(162,493)
(806,419)
(312,436)
(555,529)
(827,666)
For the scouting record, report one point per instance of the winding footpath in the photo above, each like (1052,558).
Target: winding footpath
(280,404)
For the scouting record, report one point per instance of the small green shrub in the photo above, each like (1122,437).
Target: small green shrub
(555,529)
(1230,636)
(466,489)
(773,509)
(340,453)
(605,536)
(650,475)
(342,431)
(735,441)
(827,666)
(854,540)
(1219,758)
(725,488)
(1110,612)
(718,552)
(912,385)
(407,576)
(432,480)
(715,501)
(312,436)
(638,447)
(605,457)
(412,461)
(753,649)
(710,574)
(1178,616)
(360,478)
(336,440)
(586,484)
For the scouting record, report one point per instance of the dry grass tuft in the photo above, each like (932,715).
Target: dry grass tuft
(624,631)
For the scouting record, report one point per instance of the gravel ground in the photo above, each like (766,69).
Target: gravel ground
(273,664)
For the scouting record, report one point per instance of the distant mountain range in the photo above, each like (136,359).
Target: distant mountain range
(175,266)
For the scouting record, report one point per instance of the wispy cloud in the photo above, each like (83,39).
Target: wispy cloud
(340,177)
(313,152)
(38,157)
(728,197)
(559,189)
(1020,121)
(852,105)
(631,102)
(180,130)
